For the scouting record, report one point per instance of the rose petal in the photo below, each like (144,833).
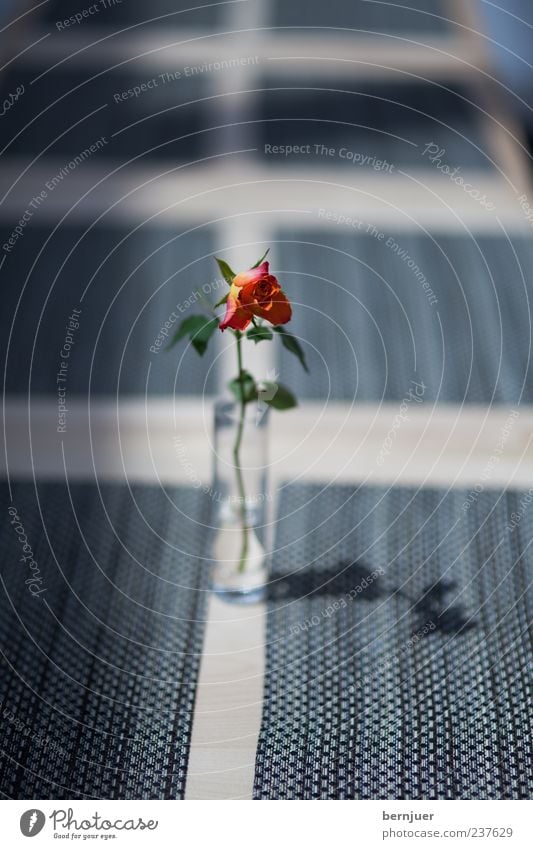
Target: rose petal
(249,295)
(277,312)
(254,275)
(236,317)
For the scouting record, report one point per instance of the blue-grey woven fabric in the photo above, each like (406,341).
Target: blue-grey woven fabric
(422,17)
(72,107)
(366,314)
(163,14)
(355,127)
(99,671)
(132,284)
(397,646)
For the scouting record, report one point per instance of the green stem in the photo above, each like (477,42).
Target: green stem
(237,460)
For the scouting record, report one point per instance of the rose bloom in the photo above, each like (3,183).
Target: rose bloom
(255,292)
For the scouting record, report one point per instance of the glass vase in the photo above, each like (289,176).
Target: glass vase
(242,501)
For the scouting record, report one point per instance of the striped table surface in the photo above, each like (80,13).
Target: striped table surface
(103,609)
(379,308)
(378,312)
(389,660)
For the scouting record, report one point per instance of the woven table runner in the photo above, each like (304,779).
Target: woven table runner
(101,624)
(460,307)
(397,646)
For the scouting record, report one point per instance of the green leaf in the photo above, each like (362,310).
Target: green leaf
(189,325)
(259,333)
(291,344)
(276,396)
(199,329)
(225,270)
(200,339)
(246,389)
(259,261)
(222,301)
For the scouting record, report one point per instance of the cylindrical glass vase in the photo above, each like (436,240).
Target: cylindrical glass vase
(242,499)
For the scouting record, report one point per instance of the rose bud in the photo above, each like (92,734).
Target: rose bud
(255,293)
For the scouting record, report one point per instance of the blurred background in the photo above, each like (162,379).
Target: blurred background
(380,149)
